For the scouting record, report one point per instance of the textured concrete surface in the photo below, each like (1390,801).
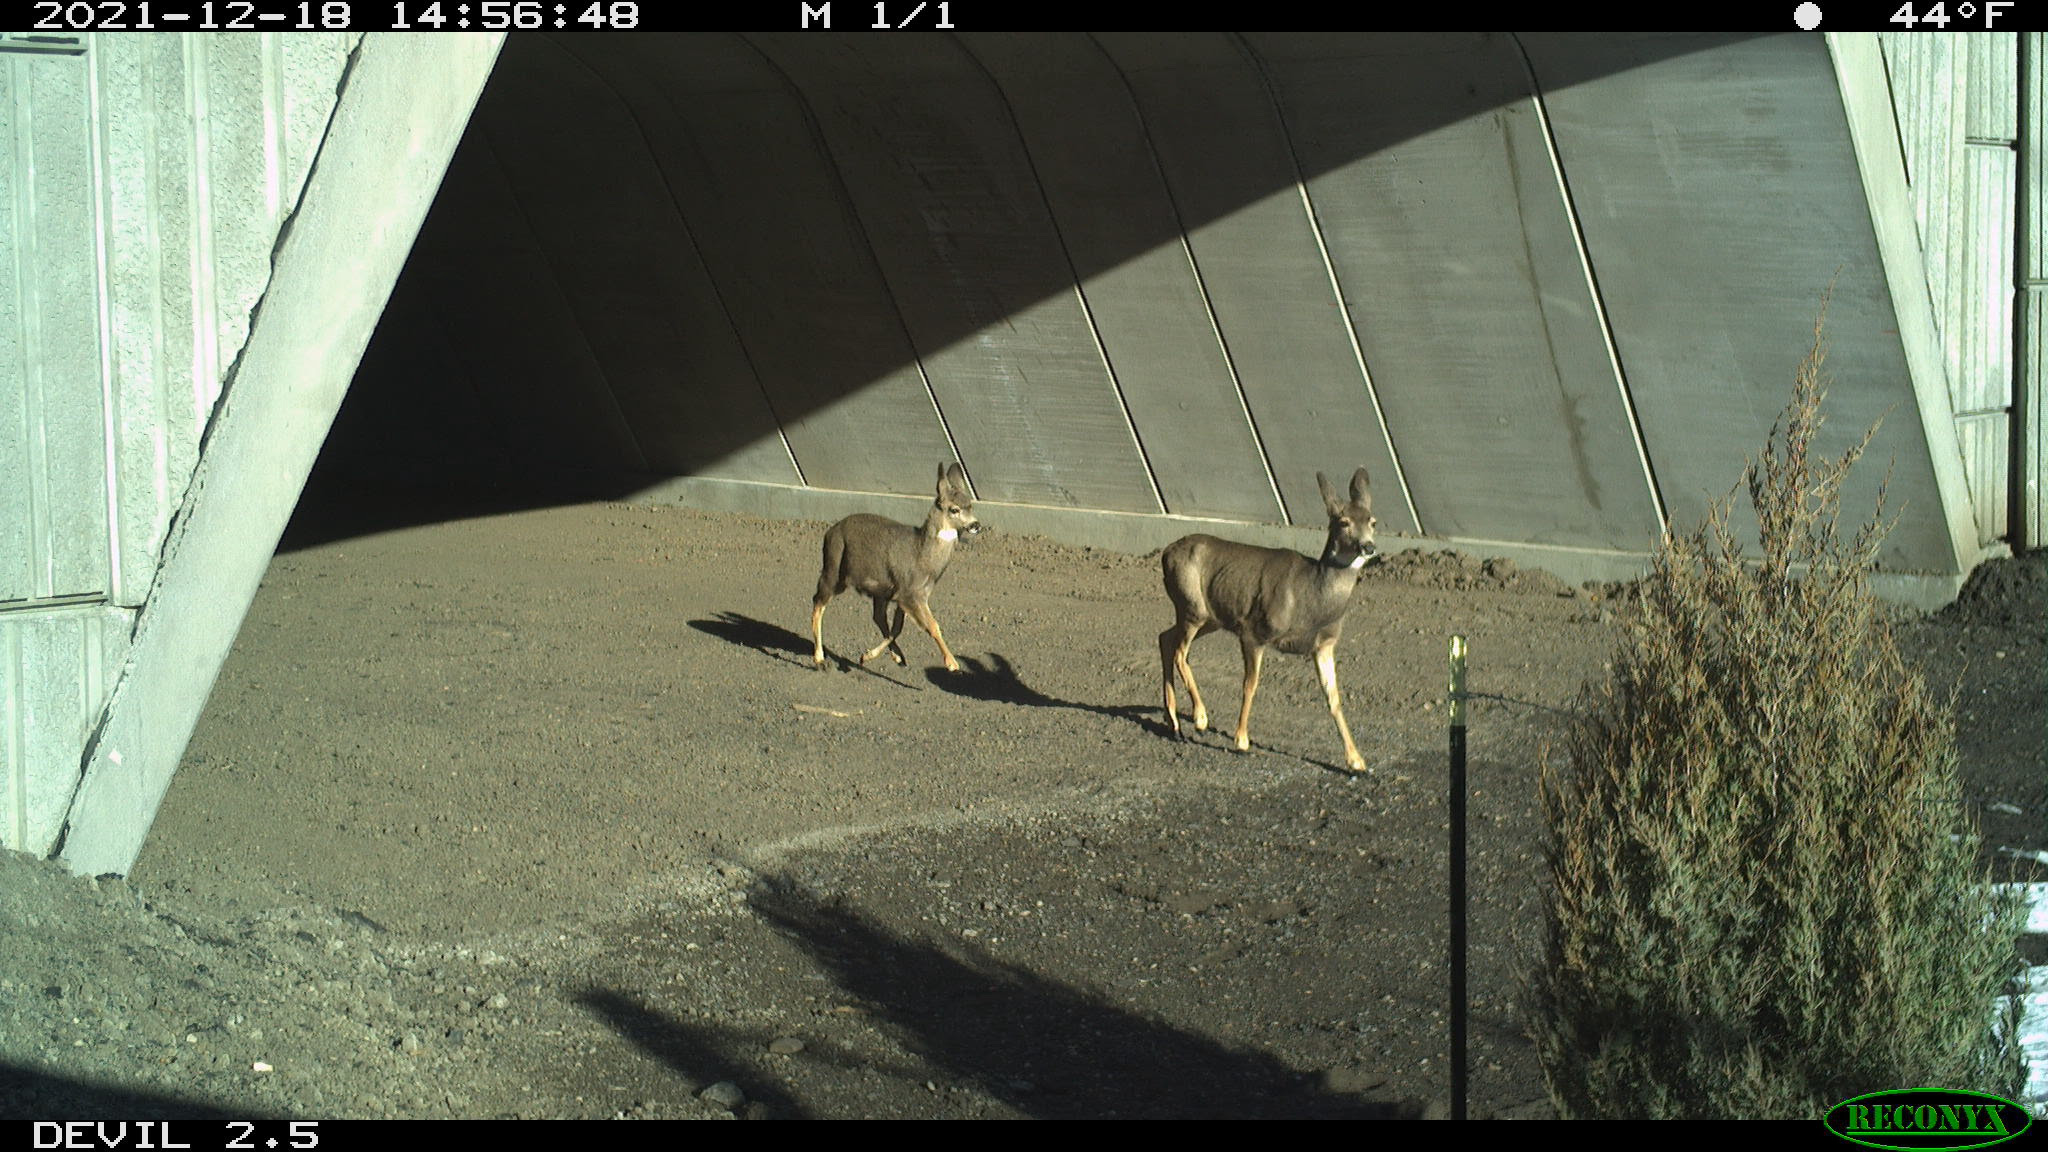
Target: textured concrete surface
(393,130)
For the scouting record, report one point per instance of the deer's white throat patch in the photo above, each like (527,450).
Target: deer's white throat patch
(948,535)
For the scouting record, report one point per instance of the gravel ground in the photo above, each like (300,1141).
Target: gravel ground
(546,815)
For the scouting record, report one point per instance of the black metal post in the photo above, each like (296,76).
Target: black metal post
(1457,878)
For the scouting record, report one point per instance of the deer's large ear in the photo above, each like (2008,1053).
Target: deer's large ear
(1360,488)
(953,476)
(1330,500)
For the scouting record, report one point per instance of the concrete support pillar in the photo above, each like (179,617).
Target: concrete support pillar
(404,103)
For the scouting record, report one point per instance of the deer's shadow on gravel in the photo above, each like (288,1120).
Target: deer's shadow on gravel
(768,639)
(1047,1049)
(995,680)
(777,642)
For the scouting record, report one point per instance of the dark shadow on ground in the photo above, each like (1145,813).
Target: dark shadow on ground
(1046,1049)
(1334,766)
(763,637)
(1220,738)
(995,680)
(32,1094)
(698,1055)
(778,642)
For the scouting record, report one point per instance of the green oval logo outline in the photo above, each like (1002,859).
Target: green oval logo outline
(2026,1120)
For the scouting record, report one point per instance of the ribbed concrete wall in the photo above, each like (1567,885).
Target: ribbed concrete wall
(403,107)
(1548,289)
(1958,102)
(2031,416)
(147,178)
(1713,192)
(56,665)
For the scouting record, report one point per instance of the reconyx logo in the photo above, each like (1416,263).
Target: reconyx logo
(1926,1119)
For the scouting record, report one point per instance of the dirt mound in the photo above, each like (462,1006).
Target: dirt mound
(1450,568)
(2004,593)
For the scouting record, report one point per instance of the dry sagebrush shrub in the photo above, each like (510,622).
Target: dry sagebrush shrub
(1765,891)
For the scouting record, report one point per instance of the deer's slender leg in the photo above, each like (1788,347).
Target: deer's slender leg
(1187,673)
(1169,640)
(1173,657)
(1326,671)
(1254,656)
(882,625)
(922,613)
(895,636)
(818,633)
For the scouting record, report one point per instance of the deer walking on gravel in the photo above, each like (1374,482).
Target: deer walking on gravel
(895,563)
(1268,597)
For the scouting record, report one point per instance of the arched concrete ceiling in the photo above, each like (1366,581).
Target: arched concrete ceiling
(1546,288)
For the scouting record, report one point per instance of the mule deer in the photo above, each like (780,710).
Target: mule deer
(1268,597)
(895,562)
